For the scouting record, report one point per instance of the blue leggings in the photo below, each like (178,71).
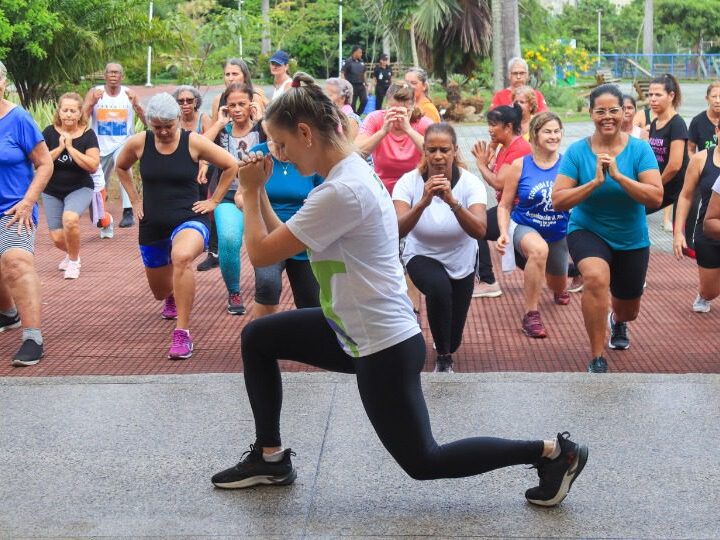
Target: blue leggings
(230,223)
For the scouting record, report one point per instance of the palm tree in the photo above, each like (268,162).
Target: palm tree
(449,34)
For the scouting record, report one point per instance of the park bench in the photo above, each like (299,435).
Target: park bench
(641,86)
(606,76)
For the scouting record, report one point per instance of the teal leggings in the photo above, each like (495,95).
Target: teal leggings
(230,223)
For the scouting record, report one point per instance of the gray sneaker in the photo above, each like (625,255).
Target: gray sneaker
(700,305)
(109,231)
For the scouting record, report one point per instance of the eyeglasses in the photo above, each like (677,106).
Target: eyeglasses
(186,101)
(607,112)
(518,73)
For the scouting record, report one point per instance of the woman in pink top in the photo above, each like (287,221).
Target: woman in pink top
(504,127)
(394,136)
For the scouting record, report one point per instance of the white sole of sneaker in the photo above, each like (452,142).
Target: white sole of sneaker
(488,295)
(570,476)
(259,481)
(11,326)
(25,363)
(704,309)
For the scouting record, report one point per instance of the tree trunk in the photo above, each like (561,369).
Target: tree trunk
(497,51)
(265,44)
(511,33)
(648,37)
(413,45)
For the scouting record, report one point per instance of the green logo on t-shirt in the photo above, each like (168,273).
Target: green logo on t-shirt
(324,272)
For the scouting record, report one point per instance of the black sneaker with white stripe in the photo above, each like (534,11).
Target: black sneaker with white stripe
(29,354)
(619,338)
(253,470)
(557,475)
(8,323)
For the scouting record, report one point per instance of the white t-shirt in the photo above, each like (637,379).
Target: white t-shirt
(350,226)
(113,120)
(716,186)
(438,233)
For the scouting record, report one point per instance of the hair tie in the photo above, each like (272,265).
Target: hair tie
(295,83)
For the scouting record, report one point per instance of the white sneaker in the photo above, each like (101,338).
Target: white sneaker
(73,270)
(700,305)
(486,290)
(109,231)
(63,264)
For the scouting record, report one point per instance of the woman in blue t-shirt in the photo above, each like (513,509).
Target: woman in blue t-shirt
(608,179)
(22,148)
(538,231)
(287,190)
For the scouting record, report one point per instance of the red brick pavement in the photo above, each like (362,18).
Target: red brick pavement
(107,323)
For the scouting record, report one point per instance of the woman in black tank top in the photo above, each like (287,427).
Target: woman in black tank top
(173,219)
(702,173)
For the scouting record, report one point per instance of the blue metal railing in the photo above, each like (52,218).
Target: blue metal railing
(686,66)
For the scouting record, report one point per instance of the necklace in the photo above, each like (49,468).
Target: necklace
(285,167)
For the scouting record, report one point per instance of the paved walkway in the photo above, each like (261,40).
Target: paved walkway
(131,457)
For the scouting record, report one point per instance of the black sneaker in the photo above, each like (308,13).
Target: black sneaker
(557,475)
(598,365)
(210,262)
(127,220)
(253,470)
(618,334)
(8,323)
(444,364)
(29,354)
(235,304)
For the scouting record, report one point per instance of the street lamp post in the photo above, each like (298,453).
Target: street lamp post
(149,54)
(599,21)
(340,58)
(240,39)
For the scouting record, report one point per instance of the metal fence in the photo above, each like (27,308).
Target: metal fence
(685,66)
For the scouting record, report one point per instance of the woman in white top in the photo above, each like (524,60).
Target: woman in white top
(441,211)
(366,325)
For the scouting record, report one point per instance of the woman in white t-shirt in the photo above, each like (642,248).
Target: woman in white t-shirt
(441,245)
(366,325)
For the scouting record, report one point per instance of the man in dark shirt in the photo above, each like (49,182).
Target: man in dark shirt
(383,77)
(353,71)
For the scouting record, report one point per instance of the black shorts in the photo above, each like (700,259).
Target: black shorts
(707,252)
(628,268)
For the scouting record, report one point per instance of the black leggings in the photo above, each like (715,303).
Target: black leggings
(390,390)
(448,300)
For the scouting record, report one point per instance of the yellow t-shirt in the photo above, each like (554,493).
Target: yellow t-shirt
(428,109)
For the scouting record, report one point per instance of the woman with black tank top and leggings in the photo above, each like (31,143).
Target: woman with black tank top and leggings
(702,172)
(173,221)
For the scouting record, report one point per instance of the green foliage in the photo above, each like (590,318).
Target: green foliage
(57,42)
(561,99)
(687,22)
(544,61)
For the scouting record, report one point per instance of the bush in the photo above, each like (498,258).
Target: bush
(563,99)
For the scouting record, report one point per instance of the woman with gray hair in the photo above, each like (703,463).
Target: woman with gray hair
(22,149)
(340,93)
(190,100)
(173,221)
(519,75)
(418,80)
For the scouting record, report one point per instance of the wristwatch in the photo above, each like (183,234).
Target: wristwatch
(455,208)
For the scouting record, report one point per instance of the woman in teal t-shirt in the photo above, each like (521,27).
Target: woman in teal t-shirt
(608,179)
(287,190)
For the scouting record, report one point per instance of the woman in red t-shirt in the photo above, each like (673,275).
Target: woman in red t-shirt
(394,136)
(504,127)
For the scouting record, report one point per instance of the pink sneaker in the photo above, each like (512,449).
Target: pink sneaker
(169,310)
(561,299)
(182,345)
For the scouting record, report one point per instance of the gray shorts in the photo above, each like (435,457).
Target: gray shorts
(558,256)
(10,239)
(76,201)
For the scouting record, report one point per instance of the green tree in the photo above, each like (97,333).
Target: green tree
(688,22)
(56,42)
